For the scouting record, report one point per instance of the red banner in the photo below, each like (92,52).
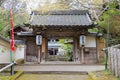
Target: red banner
(12,32)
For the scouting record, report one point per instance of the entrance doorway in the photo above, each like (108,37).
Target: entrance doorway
(31,51)
(60,49)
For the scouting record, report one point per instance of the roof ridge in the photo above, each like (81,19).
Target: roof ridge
(61,12)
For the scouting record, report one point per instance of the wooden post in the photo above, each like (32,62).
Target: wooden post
(78,48)
(112,60)
(109,59)
(12,70)
(118,52)
(44,48)
(82,54)
(46,51)
(116,62)
(76,54)
(39,55)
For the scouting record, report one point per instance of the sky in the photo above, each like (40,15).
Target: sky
(31,4)
(34,4)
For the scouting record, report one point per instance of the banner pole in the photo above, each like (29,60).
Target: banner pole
(11,61)
(12,42)
(10,56)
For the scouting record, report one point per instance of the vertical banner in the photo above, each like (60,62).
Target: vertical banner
(12,32)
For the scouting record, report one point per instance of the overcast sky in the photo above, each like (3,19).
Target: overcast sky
(34,4)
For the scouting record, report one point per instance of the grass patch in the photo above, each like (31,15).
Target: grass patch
(53,77)
(14,77)
(5,78)
(18,74)
(105,75)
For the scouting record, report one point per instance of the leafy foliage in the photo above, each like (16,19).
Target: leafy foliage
(20,15)
(4,21)
(110,22)
(67,48)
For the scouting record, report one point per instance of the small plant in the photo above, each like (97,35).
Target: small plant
(69,56)
(108,72)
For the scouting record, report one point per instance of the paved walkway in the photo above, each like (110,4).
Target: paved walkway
(60,67)
(49,68)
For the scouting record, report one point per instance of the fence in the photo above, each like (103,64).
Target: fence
(114,59)
(8,66)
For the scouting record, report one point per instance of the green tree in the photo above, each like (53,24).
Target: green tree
(67,47)
(4,21)
(111,18)
(20,15)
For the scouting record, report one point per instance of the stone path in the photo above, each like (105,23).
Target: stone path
(64,68)
(57,71)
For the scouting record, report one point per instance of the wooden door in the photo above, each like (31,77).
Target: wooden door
(31,50)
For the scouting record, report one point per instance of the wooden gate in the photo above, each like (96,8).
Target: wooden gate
(31,50)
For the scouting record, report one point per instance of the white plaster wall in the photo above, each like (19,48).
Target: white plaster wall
(19,53)
(5,54)
(90,41)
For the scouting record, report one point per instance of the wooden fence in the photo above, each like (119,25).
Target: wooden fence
(114,59)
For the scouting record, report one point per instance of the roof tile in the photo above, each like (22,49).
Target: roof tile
(62,19)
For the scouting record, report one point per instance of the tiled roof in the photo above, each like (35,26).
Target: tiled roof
(3,39)
(62,12)
(62,18)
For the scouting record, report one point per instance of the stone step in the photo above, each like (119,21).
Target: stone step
(53,77)
(56,72)
(59,68)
